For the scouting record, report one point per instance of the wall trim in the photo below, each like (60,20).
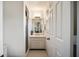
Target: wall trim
(26,54)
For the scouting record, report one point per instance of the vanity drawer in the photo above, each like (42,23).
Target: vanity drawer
(37,43)
(36,38)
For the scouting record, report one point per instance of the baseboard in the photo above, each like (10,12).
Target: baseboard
(27,52)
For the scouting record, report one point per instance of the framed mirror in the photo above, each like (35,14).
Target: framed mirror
(37,26)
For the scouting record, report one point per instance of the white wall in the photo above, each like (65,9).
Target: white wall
(1,28)
(14,28)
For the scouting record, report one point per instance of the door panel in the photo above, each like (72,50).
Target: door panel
(58,37)
(60,30)
(58,19)
(63,32)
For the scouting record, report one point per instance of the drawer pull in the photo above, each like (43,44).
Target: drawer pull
(48,38)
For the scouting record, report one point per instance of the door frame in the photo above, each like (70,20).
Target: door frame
(26,27)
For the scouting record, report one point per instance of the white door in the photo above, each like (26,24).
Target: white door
(60,35)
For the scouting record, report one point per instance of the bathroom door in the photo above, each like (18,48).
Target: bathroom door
(60,29)
(64,29)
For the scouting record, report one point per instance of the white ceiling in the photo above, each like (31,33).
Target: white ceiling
(37,5)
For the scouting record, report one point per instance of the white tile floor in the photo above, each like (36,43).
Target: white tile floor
(37,53)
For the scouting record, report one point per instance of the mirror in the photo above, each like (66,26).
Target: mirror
(37,25)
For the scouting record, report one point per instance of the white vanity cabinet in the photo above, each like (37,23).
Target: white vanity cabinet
(37,42)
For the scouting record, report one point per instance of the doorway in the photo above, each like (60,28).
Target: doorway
(58,35)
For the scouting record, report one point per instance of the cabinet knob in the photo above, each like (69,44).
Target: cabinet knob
(48,38)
